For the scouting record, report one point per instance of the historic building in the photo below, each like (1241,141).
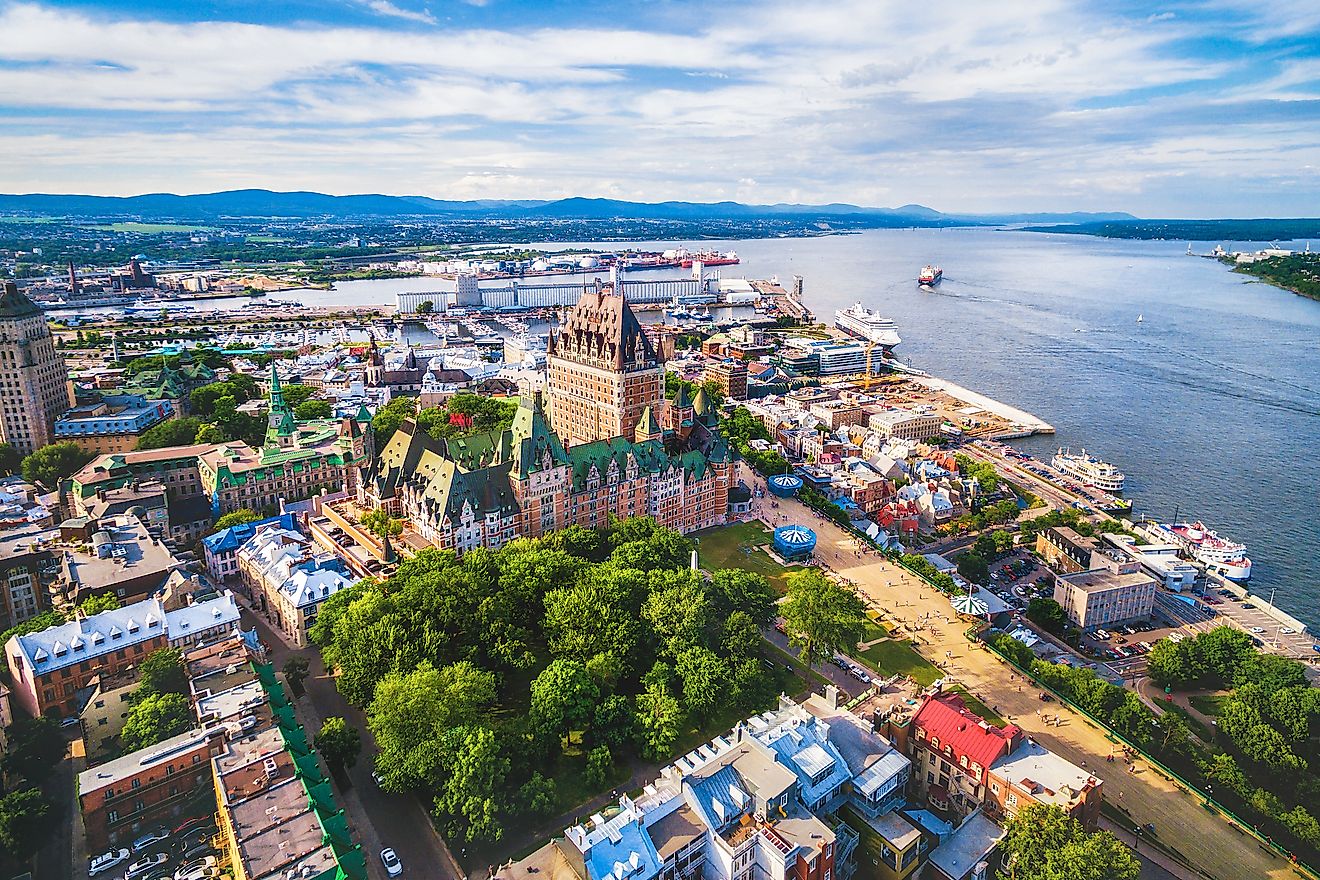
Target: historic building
(601,371)
(610,445)
(33,391)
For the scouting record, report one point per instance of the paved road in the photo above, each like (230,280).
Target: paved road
(380,818)
(1209,841)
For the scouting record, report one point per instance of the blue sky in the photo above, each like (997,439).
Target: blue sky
(1162,109)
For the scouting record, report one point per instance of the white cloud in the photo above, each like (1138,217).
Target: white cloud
(966,106)
(385,7)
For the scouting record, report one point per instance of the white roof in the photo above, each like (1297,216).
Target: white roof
(813,760)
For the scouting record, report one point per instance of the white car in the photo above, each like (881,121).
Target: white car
(145,864)
(150,839)
(105,861)
(390,860)
(1257,629)
(1288,631)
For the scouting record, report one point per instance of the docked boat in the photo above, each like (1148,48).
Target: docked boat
(930,275)
(1228,558)
(860,321)
(1089,469)
(707,258)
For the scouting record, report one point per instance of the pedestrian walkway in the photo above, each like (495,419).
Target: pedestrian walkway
(1207,840)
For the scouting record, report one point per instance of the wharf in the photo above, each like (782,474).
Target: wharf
(1023,422)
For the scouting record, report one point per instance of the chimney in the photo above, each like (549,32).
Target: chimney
(831,696)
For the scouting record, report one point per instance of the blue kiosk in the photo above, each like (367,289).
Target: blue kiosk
(794,542)
(784,485)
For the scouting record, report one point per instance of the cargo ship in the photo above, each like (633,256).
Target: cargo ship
(1089,469)
(1227,558)
(866,324)
(706,258)
(930,275)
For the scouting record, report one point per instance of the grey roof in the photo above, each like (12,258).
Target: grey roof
(15,304)
(970,844)
(96,778)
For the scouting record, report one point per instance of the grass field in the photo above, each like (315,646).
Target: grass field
(977,706)
(872,631)
(148,228)
(1208,704)
(891,656)
(733,546)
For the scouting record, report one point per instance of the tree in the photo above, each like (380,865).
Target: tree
(154,718)
(821,617)
(613,722)
(1303,824)
(412,712)
(24,823)
(309,410)
(741,636)
(296,670)
(1047,614)
(733,591)
(1099,856)
(162,672)
(1173,664)
(35,747)
(659,723)
(677,611)
(476,774)
(211,433)
(1044,843)
(1224,771)
(174,432)
(563,698)
(600,764)
(11,462)
(1033,833)
(703,675)
(380,523)
(296,394)
(425,307)
(242,516)
(538,795)
(973,566)
(96,604)
(51,464)
(339,742)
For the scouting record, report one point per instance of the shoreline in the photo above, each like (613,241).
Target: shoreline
(1028,423)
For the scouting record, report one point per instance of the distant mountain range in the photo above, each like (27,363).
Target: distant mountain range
(260,203)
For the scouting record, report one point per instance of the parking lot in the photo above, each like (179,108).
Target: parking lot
(183,852)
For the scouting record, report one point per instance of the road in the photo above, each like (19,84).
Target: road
(380,818)
(1209,841)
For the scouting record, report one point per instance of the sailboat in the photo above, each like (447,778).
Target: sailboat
(1140,318)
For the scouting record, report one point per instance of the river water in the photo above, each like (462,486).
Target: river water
(1211,404)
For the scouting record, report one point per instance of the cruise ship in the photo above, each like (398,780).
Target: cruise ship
(871,326)
(1228,558)
(1089,469)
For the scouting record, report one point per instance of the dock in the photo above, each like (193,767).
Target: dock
(1022,421)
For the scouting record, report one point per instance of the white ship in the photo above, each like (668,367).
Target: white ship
(1228,558)
(871,326)
(1089,469)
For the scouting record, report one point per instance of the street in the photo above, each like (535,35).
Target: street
(380,818)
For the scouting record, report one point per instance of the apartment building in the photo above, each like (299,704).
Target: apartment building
(33,388)
(111,423)
(288,578)
(901,424)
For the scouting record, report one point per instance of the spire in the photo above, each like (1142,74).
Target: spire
(387,550)
(647,427)
(276,392)
(701,404)
(363,414)
(681,398)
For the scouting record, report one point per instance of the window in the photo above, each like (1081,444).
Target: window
(137,783)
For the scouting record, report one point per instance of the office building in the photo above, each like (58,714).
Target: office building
(1114,590)
(731,377)
(901,424)
(33,387)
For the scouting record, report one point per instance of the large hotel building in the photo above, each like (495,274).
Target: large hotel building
(605,443)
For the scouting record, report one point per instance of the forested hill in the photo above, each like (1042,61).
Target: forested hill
(1299,273)
(1262,230)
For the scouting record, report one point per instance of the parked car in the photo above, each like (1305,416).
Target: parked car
(197,824)
(105,861)
(203,862)
(150,839)
(390,860)
(145,865)
(1258,629)
(1288,631)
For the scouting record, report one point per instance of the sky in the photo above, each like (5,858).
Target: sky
(1181,109)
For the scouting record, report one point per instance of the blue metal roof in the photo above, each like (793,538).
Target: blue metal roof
(230,539)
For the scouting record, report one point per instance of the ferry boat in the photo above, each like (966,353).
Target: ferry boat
(858,320)
(1228,558)
(930,275)
(1089,469)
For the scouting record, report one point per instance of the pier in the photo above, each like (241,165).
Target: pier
(1023,421)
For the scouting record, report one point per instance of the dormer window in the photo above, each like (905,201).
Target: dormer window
(934,742)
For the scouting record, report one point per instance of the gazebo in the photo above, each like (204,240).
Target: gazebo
(794,542)
(784,485)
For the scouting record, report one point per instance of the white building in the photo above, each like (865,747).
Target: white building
(288,578)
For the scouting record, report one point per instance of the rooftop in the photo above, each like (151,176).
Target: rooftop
(127,766)
(1044,775)
(899,832)
(127,552)
(968,845)
(243,783)
(275,829)
(219,705)
(244,750)
(945,719)
(1098,580)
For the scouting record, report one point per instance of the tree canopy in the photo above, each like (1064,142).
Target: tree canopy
(235,518)
(154,718)
(172,432)
(52,464)
(821,617)
(1042,842)
(339,742)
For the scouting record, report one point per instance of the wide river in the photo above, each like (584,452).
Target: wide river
(1211,404)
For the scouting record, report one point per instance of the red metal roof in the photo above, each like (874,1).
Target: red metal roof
(946,717)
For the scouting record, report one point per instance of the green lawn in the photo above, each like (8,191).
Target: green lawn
(872,631)
(154,227)
(977,706)
(891,656)
(1208,704)
(734,546)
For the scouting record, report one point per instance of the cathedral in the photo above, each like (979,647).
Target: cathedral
(603,443)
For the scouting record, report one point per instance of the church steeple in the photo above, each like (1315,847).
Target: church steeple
(277,404)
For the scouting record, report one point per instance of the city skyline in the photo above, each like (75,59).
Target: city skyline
(1186,109)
